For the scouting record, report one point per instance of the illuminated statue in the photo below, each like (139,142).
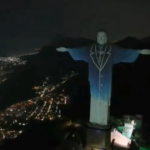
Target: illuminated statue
(101,56)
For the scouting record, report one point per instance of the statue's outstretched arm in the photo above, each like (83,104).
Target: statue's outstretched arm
(76,53)
(127,55)
(124,55)
(61,49)
(144,51)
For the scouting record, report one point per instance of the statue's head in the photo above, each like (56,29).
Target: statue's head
(101,37)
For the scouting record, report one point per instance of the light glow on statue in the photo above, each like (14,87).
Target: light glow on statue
(101,56)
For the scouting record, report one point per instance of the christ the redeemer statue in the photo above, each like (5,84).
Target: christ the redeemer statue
(100,57)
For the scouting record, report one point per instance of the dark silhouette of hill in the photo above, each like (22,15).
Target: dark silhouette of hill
(72,42)
(130,87)
(131,42)
(47,134)
(38,134)
(50,63)
(130,81)
(146,40)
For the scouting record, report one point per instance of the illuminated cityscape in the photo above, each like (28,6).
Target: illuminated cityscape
(46,106)
(7,65)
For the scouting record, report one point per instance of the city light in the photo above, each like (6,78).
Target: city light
(44,106)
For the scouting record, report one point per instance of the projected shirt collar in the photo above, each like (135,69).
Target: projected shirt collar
(100,49)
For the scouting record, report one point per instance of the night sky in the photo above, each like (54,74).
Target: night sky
(28,24)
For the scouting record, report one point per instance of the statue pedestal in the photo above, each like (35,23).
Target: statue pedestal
(97,137)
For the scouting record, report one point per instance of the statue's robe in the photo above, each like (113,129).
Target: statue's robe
(100,60)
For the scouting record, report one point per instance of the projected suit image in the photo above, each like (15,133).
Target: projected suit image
(100,57)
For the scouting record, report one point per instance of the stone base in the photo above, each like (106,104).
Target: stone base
(98,137)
